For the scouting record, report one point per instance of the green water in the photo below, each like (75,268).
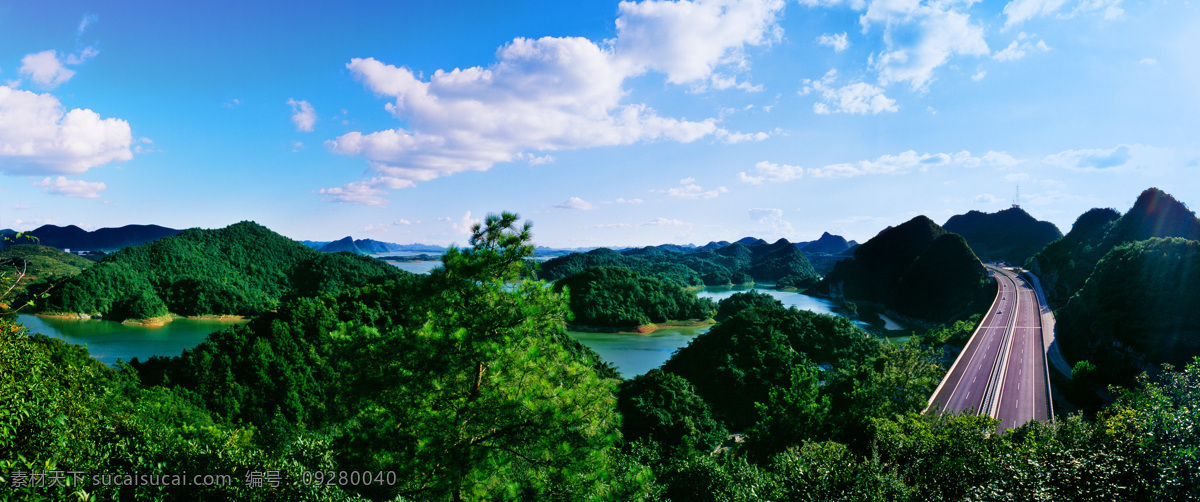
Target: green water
(109,341)
(635,354)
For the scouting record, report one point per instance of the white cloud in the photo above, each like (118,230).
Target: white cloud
(1094,159)
(771,224)
(555,93)
(71,188)
(402,221)
(624,201)
(464,224)
(1019,11)
(687,40)
(908,161)
(772,172)
(853,4)
(690,190)
(303,115)
(537,161)
(856,98)
(575,203)
(665,222)
(366,192)
(611,225)
(1148,61)
(84,56)
(38,136)
(44,69)
(837,41)
(985,198)
(1019,48)
(919,38)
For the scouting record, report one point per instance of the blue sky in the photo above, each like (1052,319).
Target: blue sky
(604,123)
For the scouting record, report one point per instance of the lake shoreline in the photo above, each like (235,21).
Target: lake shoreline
(152,322)
(644,329)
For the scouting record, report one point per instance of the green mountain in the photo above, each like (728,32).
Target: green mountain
(344,244)
(619,297)
(39,264)
(917,268)
(1011,235)
(243,269)
(1065,265)
(1139,308)
(711,265)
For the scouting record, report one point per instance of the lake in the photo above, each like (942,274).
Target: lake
(634,354)
(109,341)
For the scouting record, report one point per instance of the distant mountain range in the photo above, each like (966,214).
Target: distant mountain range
(104,239)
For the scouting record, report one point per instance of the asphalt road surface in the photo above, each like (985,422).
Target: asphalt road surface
(1001,372)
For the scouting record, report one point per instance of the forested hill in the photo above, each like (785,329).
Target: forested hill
(918,269)
(1011,235)
(345,244)
(40,264)
(1127,288)
(104,239)
(243,269)
(827,244)
(737,263)
(1064,265)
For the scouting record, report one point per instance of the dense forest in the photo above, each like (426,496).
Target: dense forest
(916,268)
(1125,288)
(619,297)
(243,269)
(717,264)
(103,239)
(463,385)
(1011,235)
(39,264)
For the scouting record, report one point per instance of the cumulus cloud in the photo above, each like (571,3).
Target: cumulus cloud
(366,192)
(919,38)
(687,40)
(39,136)
(45,69)
(1019,48)
(688,189)
(464,224)
(1019,11)
(856,98)
(771,172)
(303,115)
(71,188)
(985,198)
(575,203)
(837,41)
(771,224)
(557,93)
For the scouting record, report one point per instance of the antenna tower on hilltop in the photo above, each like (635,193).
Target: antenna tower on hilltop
(1017,198)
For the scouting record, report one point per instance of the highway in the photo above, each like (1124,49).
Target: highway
(1002,370)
